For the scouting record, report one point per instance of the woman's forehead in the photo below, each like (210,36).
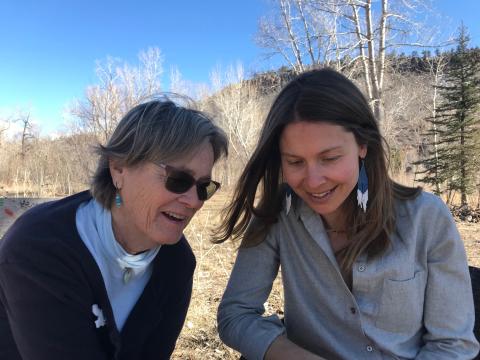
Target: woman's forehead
(198,162)
(318,136)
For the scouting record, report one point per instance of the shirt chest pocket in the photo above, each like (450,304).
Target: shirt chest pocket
(401,304)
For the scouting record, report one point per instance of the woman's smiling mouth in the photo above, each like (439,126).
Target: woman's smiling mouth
(174,217)
(322,195)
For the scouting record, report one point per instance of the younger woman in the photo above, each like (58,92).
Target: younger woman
(371,269)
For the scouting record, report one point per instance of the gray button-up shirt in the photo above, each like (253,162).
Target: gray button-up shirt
(413,302)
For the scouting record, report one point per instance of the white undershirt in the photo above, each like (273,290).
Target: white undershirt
(94,224)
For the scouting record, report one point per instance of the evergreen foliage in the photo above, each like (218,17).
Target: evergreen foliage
(453,156)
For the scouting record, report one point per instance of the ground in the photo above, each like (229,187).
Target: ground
(470,233)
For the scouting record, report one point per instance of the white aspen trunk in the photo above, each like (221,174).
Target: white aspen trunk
(285,9)
(379,108)
(381,47)
(307,31)
(361,49)
(372,59)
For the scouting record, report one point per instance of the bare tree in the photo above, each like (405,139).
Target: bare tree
(304,33)
(4,126)
(177,83)
(342,34)
(394,27)
(120,87)
(27,132)
(238,108)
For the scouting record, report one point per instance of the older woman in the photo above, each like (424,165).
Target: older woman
(107,273)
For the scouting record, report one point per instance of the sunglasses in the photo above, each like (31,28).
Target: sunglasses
(179,182)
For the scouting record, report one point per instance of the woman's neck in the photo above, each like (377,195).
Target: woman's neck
(333,225)
(120,231)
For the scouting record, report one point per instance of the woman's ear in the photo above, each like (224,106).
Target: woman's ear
(116,172)
(362,151)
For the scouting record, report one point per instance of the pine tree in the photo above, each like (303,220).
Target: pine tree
(454,134)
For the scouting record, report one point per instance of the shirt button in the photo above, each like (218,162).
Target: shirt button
(353,310)
(361,268)
(369,348)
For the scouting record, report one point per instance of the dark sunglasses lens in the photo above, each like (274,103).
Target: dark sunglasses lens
(206,190)
(179,182)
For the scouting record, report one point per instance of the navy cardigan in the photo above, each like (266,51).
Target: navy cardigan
(49,282)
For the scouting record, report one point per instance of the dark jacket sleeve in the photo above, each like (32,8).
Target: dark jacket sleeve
(8,348)
(46,299)
(49,316)
(169,328)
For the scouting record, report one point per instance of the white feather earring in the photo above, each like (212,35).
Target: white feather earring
(288,199)
(362,187)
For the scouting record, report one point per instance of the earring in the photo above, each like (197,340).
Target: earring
(288,199)
(362,187)
(118,198)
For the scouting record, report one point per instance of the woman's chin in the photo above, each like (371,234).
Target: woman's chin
(166,239)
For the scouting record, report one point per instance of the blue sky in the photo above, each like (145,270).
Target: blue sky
(48,48)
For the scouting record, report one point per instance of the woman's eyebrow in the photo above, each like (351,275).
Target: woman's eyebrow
(286,153)
(175,168)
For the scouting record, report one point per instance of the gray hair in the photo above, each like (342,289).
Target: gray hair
(157,131)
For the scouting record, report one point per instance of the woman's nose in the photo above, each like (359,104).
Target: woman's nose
(190,199)
(315,177)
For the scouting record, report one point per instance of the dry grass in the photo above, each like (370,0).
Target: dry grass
(471,237)
(199,338)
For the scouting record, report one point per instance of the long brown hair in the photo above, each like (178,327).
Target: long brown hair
(327,96)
